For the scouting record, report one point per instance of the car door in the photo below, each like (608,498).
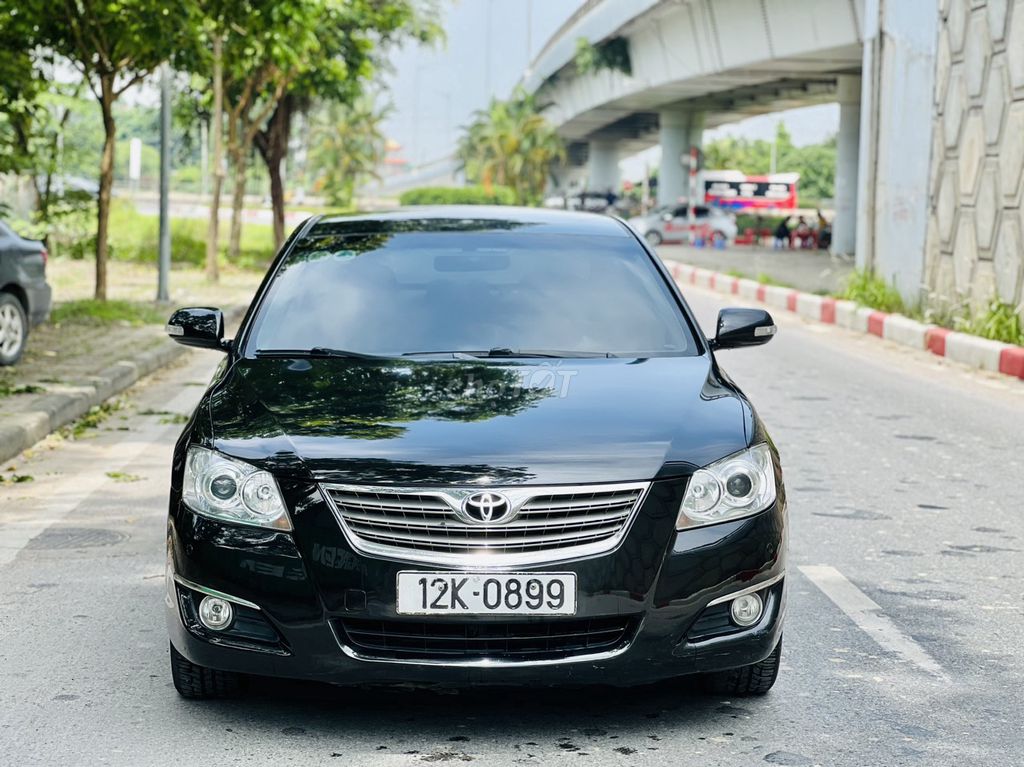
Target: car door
(677,224)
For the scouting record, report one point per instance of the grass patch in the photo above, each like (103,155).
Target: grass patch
(868,290)
(7,389)
(767,279)
(135,237)
(762,277)
(326,210)
(92,312)
(460,195)
(999,322)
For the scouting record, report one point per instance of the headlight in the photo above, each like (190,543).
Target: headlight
(233,491)
(737,486)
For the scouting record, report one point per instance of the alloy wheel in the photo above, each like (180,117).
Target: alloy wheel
(12,330)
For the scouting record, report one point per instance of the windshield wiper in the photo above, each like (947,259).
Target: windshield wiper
(506,353)
(318,351)
(551,353)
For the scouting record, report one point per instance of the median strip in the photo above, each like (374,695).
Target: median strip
(977,352)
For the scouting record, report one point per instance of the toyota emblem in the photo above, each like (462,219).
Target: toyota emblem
(487,507)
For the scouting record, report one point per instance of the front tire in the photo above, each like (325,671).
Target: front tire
(755,679)
(200,683)
(653,238)
(13,329)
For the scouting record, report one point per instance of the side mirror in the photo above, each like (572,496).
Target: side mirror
(743,327)
(200,326)
(666,216)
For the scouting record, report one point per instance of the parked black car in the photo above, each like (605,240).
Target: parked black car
(473,446)
(24,292)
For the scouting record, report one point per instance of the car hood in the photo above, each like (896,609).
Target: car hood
(487,422)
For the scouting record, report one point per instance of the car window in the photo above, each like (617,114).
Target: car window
(700,211)
(680,212)
(400,293)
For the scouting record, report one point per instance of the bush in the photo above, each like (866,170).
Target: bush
(458,195)
(871,291)
(999,322)
(746,221)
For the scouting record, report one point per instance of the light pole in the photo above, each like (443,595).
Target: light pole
(164,260)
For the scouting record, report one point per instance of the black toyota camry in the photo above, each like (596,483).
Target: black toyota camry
(456,446)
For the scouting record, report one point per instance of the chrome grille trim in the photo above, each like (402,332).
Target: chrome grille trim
(548,523)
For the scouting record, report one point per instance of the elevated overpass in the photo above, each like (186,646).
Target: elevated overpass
(697,64)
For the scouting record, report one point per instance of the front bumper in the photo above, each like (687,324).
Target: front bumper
(307,584)
(40,301)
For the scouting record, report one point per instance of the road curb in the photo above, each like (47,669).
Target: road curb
(49,412)
(974,351)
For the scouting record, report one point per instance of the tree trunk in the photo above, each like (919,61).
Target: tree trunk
(106,183)
(239,157)
(277,202)
(217,127)
(272,144)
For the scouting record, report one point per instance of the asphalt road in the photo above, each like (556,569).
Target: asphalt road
(903,640)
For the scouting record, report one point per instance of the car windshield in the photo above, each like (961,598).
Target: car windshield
(503,292)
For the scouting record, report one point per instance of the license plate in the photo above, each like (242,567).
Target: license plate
(449,593)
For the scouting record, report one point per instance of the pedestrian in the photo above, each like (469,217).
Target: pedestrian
(803,232)
(824,231)
(782,234)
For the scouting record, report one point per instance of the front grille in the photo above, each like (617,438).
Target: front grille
(429,526)
(514,641)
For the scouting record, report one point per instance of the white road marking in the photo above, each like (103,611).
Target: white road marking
(868,616)
(62,498)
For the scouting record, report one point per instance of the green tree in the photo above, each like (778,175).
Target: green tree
(351,36)
(114,45)
(511,144)
(20,88)
(348,143)
(272,58)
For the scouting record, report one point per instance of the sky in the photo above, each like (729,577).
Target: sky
(489,45)
(435,90)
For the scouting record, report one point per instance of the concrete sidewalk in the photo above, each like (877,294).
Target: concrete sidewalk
(69,369)
(812,271)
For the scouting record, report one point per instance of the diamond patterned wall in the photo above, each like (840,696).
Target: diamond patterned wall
(976,229)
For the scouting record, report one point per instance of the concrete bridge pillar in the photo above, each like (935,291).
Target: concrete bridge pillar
(679,129)
(603,167)
(896,132)
(844,226)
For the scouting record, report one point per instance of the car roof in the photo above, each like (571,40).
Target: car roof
(427,218)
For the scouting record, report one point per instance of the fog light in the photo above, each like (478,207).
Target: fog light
(215,613)
(746,610)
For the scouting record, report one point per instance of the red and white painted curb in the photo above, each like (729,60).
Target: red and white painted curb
(959,347)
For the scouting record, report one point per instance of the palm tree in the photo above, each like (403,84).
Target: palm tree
(348,143)
(511,144)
